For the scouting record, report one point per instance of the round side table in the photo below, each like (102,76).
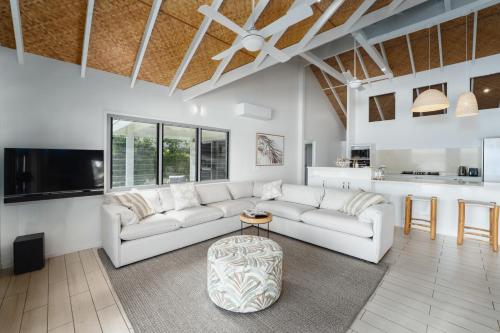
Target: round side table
(256,221)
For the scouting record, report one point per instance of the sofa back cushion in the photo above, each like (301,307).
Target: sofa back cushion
(166,198)
(257,188)
(185,196)
(240,189)
(301,194)
(213,193)
(336,198)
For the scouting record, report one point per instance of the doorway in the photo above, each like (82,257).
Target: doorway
(308,159)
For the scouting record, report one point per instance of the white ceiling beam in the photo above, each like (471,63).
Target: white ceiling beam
(18,31)
(410,54)
(86,37)
(395,4)
(311,58)
(447,5)
(379,108)
(293,50)
(195,43)
(259,9)
(472,5)
(276,37)
(337,97)
(372,52)
(362,63)
(384,55)
(474,38)
(341,65)
(358,13)
(440,45)
(153,14)
(334,6)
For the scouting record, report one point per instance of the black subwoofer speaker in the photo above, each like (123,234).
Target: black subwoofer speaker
(29,253)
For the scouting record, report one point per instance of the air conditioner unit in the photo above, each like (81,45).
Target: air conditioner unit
(253,111)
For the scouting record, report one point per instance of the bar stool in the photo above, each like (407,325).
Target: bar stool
(428,224)
(491,233)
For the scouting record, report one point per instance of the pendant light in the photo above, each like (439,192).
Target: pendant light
(431,99)
(467,102)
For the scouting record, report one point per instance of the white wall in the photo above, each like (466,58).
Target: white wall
(321,123)
(442,131)
(45,104)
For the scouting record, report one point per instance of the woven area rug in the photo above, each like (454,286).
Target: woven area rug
(323,291)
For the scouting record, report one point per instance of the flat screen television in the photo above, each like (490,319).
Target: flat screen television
(37,174)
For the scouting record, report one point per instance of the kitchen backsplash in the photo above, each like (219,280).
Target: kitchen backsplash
(445,160)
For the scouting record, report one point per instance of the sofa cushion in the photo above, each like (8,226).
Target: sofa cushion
(271,190)
(302,194)
(166,198)
(285,209)
(213,193)
(336,198)
(195,215)
(254,200)
(153,197)
(337,221)
(185,195)
(233,207)
(240,189)
(257,189)
(150,226)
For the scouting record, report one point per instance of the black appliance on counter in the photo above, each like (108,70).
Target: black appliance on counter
(473,172)
(462,171)
(421,173)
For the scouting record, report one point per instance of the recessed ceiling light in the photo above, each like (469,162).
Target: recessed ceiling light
(486,90)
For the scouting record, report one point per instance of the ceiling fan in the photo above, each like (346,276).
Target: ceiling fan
(253,39)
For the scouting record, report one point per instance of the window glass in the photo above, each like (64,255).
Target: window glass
(443,87)
(179,154)
(487,91)
(382,107)
(214,147)
(134,153)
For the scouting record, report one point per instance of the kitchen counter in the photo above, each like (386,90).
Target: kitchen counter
(443,180)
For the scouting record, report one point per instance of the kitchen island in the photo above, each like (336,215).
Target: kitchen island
(396,187)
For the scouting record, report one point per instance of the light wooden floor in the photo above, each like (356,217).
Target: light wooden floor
(71,294)
(431,286)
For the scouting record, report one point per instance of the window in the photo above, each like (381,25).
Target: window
(134,153)
(179,154)
(487,91)
(443,87)
(382,107)
(214,146)
(188,153)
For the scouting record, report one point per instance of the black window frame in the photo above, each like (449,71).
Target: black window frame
(159,151)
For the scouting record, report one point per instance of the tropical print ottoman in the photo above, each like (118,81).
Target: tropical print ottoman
(244,273)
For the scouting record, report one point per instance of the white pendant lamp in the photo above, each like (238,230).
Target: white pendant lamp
(431,99)
(467,102)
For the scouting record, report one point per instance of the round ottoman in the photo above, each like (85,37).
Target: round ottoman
(244,273)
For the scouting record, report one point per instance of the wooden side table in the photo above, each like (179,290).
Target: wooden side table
(256,221)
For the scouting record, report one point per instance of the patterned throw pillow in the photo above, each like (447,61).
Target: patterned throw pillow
(185,196)
(361,201)
(271,190)
(136,202)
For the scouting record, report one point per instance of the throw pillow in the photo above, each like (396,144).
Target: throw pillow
(185,196)
(136,202)
(360,201)
(271,190)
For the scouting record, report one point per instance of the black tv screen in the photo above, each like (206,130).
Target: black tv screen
(42,171)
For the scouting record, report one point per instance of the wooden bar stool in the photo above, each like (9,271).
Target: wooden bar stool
(491,234)
(427,224)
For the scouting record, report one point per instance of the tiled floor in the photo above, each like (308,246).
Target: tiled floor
(431,286)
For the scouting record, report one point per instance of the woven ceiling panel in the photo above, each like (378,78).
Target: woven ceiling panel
(168,44)
(398,57)
(378,4)
(488,32)
(347,59)
(343,13)
(6,29)
(453,39)
(333,101)
(420,48)
(371,67)
(185,11)
(117,29)
(54,28)
(332,62)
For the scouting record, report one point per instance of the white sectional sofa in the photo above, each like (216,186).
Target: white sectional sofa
(310,214)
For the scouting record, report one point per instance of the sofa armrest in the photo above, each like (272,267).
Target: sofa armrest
(110,233)
(383,217)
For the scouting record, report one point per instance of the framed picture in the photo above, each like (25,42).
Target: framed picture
(269,149)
